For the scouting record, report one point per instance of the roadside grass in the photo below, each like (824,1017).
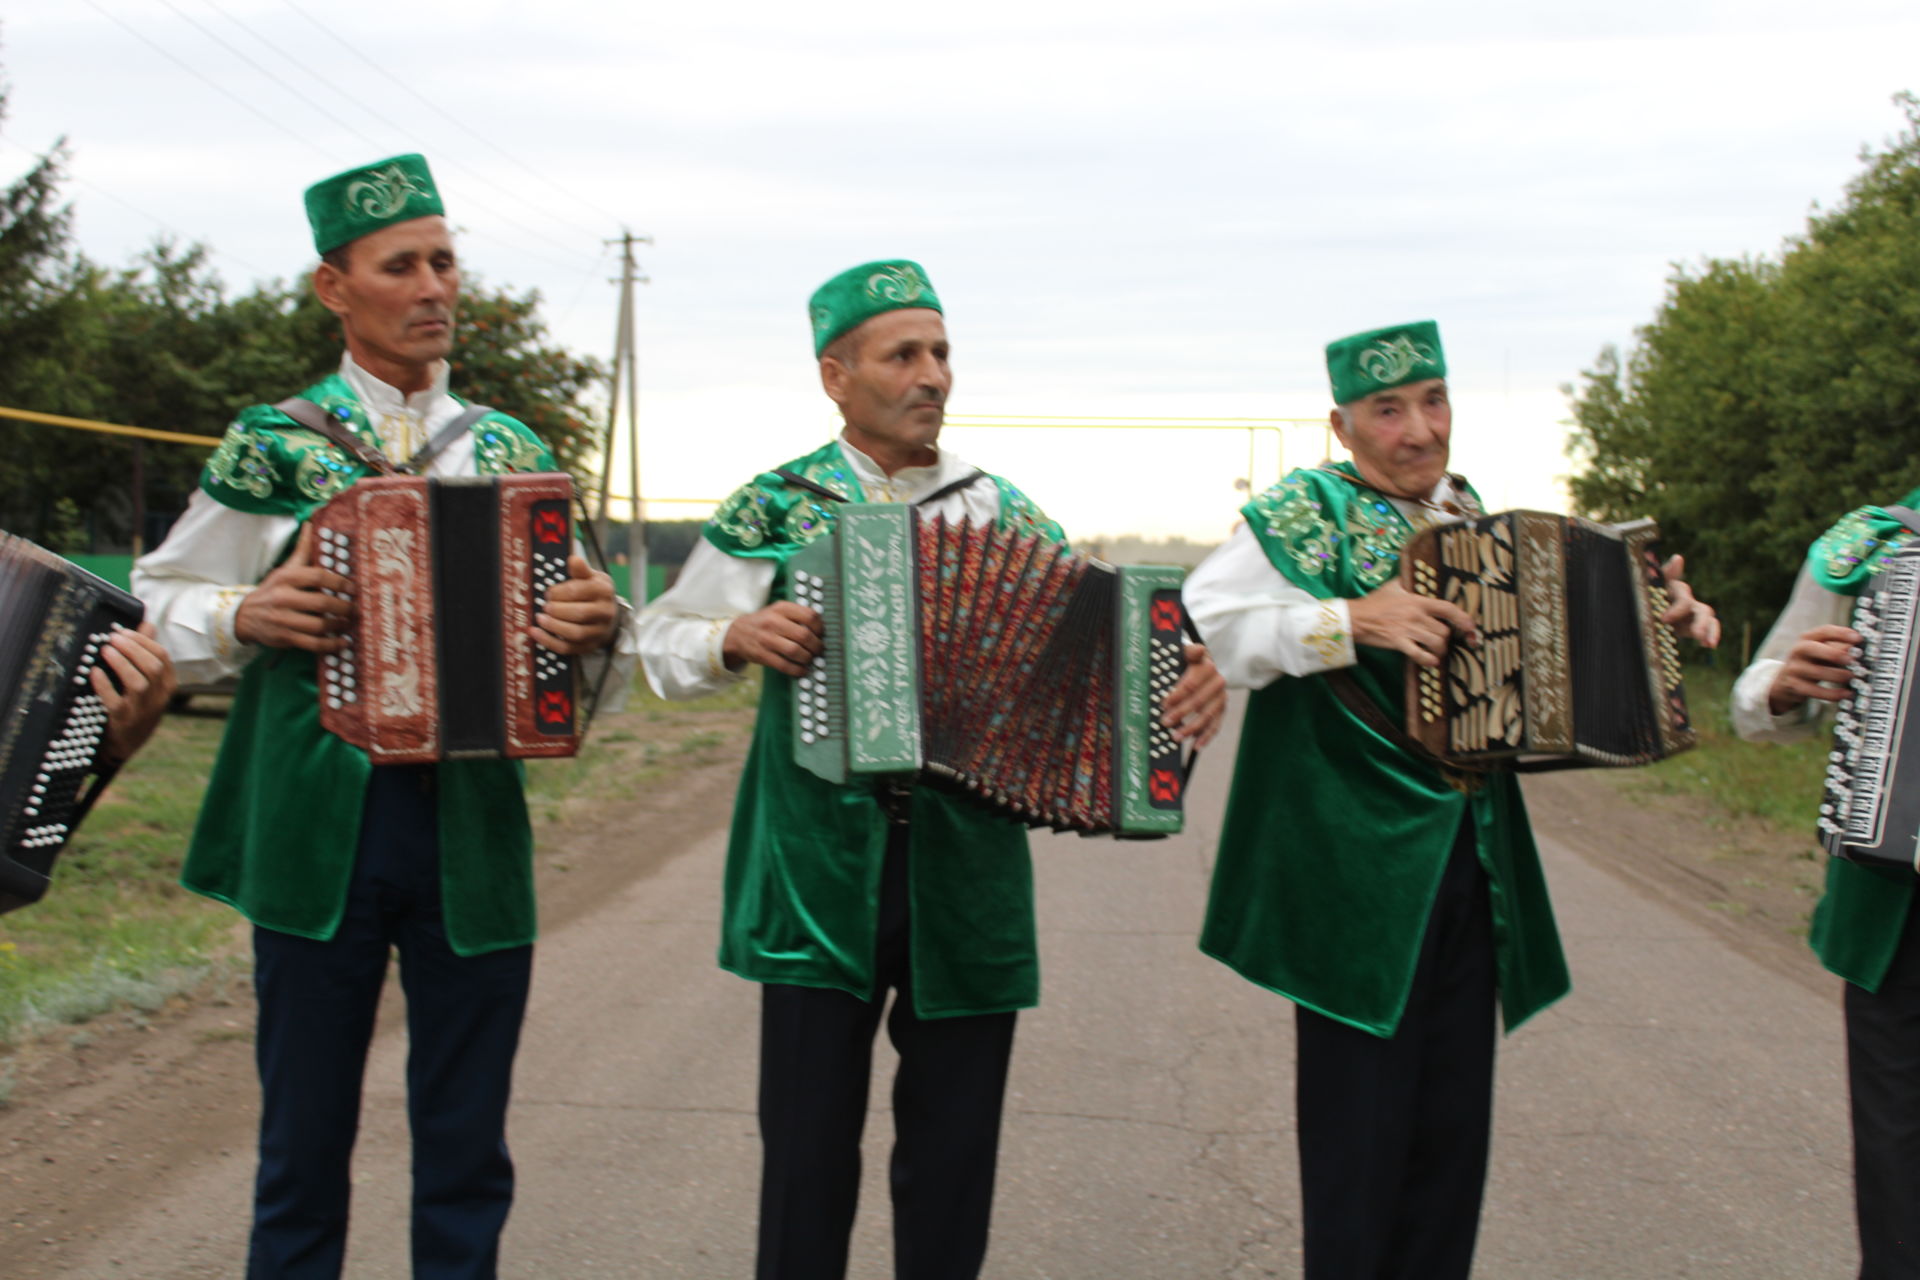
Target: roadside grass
(1777,784)
(116,931)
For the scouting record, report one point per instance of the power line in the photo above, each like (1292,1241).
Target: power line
(446,115)
(193,71)
(162,223)
(406,131)
(289,86)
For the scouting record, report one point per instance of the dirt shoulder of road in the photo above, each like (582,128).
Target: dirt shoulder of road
(103,1115)
(98,1117)
(1751,884)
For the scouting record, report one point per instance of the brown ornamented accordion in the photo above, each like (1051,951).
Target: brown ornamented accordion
(1573,661)
(994,664)
(54,619)
(448,574)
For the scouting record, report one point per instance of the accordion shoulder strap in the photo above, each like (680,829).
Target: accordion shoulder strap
(455,427)
(1370,713)
(799,481)
(1906,516)
(314,418)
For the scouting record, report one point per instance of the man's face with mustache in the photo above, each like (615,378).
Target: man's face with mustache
(395,297)
(893,391)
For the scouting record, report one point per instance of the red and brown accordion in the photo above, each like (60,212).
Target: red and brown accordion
(448,573)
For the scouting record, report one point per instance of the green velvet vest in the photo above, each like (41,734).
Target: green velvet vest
(1335,840)
(1857,924)
(804,861)
(280,824)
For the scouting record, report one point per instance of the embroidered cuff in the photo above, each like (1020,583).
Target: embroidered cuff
(1329,640)
(717,651)
(220,617)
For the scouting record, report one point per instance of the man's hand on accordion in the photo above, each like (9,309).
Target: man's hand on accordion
(1198,702)
(137,694)
(297,606)
(1816,667)
(1392,617)
(784,636)
(1692,617)
(581,614)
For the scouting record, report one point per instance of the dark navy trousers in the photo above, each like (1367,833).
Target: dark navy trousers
(1394,1132)
(816,1051)
(1883,1075)
(317,1003)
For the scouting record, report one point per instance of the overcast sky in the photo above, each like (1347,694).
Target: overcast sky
(1129,209)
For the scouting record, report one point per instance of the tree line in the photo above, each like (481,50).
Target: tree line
(1769,394)
(162,342)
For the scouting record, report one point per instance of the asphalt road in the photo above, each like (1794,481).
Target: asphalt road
(1682,1114)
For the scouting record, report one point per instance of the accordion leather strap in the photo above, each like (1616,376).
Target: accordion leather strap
(1906,516)
(801,482)
(1361,703)
(315,419)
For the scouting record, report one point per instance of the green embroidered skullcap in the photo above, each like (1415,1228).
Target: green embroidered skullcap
(860,293)
(1381,359)
(352,204)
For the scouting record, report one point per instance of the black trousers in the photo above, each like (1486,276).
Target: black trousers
(317,1004)
(1394,1132)
(1883,1079)
(816,1052)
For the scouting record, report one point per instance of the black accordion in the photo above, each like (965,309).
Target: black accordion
(1574,661)
(1870,806)
(54,619)
(994,664)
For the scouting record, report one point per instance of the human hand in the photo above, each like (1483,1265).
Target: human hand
(785,637)
(146,685)
(1392,617)
(292,607)
(1693,618)
(581,612)
(1816,667)
(1198,701)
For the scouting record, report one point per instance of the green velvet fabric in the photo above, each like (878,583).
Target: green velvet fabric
(281,820)
(804,861)
(362,200)
(1335,840)
(1857,924)
(1382,359)
(860,293)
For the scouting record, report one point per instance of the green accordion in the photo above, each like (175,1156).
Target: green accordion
(994,664)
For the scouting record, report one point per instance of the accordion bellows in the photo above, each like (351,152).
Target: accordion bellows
(54,619)
(1870,803)
(448,574)
(1573,660)
(995,664)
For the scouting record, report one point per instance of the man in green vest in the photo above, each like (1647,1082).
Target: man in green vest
(1391,901)
(1866,928)
(334,861)
(836,893)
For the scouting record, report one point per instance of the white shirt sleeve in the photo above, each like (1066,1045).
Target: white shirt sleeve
(681,634)
(1258,625)
(193,583)
(1810,606)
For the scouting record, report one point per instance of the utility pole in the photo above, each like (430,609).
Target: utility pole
(626,368)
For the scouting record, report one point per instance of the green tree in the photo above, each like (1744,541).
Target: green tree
(1768,396)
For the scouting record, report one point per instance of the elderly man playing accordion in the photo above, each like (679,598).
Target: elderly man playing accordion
(335,861)
(1392,901)
(1866,928)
